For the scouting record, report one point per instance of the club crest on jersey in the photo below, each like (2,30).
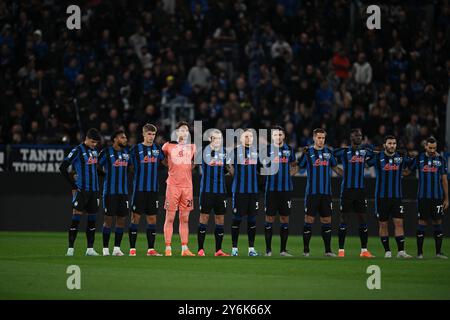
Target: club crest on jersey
(155,153)
(286,153)
(437,163)
(398,160)
(326,155)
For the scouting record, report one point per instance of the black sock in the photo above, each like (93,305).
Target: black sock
(132,235)
(268,236)
(420,235)
(90,230)
(106,236)
(218,235)
(284,234)
(151,235)
(307,231)
(118,237)
(438,235)
(251,230)
(341,235)
(201,235)
(400,242)
(73,230)
(326,236)
(363,235)
(235,231)
(385,242)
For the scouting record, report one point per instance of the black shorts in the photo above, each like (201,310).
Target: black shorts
(389,208)
(145,203)
(213,201)
(278,202)
(430,208)
(116,205)
(318,204)
(245,204)
(86,201)
(353,201)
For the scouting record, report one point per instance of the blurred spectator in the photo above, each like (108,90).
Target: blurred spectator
(200,75)
(240,63)
(362,70)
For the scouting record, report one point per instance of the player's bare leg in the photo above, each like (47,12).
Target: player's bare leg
(307,230)
(120,225)
(132,232)
(284,234)
(107,224)
(73,231)
(218,234)
(400,238)
(151,235)
(383,231)
(326,235)
(168,231)
(183,229)
(363,236)
(268,234)
(420,237)
(438,235)
(201,233)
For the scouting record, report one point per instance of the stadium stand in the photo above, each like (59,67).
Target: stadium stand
(301,64)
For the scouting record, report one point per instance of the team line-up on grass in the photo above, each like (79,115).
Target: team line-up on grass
(245,164)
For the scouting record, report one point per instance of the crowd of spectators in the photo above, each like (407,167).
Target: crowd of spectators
(298,63)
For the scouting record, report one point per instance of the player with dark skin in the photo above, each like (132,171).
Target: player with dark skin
(119,143)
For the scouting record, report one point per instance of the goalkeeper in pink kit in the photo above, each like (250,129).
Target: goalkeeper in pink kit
(179,195)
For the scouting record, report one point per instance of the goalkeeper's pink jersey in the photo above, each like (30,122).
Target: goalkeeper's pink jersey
(179,159)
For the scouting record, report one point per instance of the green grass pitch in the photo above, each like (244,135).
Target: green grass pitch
(33,266)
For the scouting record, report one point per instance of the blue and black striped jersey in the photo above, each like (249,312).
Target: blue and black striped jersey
(213,170)
(115,163)
(388,170)
(245,162)
(353,163)
(278,166)
(145,160)
(84,161)
(431,170)
(318,164)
